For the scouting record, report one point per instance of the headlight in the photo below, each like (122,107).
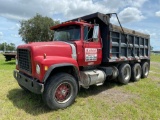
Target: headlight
(38,69)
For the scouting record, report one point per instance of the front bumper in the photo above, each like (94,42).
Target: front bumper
(28,83)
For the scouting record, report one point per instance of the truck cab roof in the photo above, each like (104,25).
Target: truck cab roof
(81,22)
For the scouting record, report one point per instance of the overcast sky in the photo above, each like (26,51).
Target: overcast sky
(141,15)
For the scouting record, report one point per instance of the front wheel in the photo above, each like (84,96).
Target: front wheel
(60,91)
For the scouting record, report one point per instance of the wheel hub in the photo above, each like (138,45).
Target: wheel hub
(126,73)
(62,92)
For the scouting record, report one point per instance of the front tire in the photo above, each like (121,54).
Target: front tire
(124,73)
(60,91)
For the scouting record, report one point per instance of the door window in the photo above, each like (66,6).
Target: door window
(88,33)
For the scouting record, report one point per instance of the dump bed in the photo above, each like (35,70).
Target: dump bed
(118,45)
(132,45)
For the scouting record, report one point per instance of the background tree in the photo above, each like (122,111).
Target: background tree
(37,29)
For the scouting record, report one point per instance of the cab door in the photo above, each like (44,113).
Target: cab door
(92,46)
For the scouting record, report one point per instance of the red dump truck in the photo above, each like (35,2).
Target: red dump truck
(85,51)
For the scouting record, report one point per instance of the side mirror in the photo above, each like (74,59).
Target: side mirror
(95,32)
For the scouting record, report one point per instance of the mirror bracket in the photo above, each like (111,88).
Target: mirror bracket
(95,32)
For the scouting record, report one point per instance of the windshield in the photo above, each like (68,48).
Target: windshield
(67,33)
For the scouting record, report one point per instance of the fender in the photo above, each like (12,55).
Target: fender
(52,67)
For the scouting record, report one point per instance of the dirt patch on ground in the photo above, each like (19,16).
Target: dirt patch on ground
(111,92)
(115,95)
(154,78)
(153,73)
(156,65)
(159,84)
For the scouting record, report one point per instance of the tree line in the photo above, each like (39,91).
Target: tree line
(7,47)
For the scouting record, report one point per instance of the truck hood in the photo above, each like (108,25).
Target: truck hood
(54,48)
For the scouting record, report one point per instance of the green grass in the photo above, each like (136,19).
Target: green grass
(138,100)
(155,58)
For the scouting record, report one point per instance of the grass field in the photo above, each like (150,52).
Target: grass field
(138,100)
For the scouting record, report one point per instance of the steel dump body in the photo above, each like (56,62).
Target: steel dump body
(118,45)
(135,46)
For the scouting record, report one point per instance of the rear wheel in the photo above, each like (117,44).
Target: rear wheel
(124,73)
(136,72)
(145,69)
(60,91)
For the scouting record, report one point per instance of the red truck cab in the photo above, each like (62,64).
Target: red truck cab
(72,44)
(86,46)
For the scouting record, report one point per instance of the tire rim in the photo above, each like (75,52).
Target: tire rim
(126,73)
(138,72)
(146,70)
(63,92)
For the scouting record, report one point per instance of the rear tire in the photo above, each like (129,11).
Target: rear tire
(145,69)
(124,73)
(60,91)
(136,72)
